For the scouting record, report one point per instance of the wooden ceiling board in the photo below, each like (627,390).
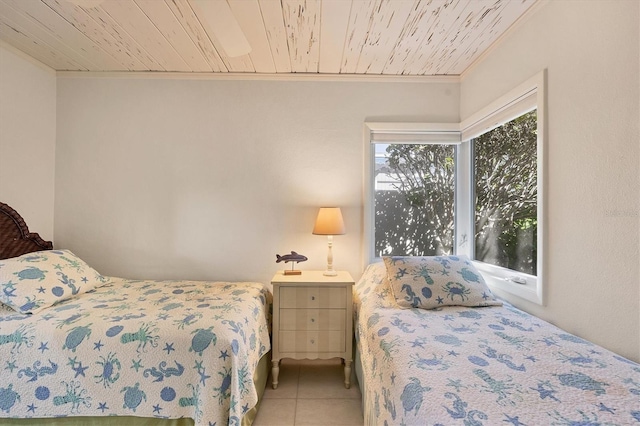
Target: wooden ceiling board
(302,23)
(334,22)
(204,8)
(77,17)
(185,15)
(133,20)
(13,34)
(416,32)
(389,18)
(491,26)
(359,37)
(164,20)
(447,48)
(360,22)
(108,25)
(475,23)
(249,18)
(276,34)
(61,29)
(28,28)
(234,64)
(446,16)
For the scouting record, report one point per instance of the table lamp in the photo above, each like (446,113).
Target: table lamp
(329,222)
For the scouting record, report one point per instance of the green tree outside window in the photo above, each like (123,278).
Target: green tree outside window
(414,211)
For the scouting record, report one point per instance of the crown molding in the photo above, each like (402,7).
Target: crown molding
(263,77)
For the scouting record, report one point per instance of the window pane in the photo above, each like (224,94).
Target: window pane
(506,189)
(414,196)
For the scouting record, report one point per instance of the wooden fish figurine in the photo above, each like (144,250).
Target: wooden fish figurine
(293,257)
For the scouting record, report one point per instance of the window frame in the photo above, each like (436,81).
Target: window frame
(405,133)
(527,96)
(509,106)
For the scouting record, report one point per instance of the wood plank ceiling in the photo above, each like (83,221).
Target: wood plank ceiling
(390,37)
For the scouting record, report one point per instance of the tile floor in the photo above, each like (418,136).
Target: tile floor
(311,393)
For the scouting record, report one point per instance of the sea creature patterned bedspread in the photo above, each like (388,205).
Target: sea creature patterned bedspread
(483,366)
(163,349)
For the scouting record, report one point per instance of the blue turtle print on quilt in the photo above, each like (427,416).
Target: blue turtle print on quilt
(164,349)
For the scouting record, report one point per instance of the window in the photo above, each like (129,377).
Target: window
(410,206)
(473,188)
(413,199)
(505,195)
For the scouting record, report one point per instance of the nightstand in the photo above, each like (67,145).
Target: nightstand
(312,319)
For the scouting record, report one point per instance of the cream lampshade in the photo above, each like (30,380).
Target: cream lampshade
(329,222)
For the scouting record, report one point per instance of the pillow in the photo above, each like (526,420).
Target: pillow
(433,281)
(35,281)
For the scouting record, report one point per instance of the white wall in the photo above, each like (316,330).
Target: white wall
(210,179)
(591,51)
(27,138)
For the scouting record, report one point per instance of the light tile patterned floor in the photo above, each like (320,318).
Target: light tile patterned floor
(311,393)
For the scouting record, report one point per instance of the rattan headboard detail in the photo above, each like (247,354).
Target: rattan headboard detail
(15,238)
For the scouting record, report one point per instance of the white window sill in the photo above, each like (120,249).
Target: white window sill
(528,287)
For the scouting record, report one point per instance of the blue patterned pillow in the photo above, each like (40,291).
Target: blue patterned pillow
(35,281)
(433,281)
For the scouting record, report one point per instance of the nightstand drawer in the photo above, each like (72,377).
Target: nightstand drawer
(312,319)
(313,297)
(312,341)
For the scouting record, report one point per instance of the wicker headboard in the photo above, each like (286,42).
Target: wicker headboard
(15,238)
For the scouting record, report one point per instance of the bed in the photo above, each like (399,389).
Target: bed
(77,347)
(476,365)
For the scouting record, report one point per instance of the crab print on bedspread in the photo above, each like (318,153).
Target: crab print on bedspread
(430,282)
(165,349)
(491,365)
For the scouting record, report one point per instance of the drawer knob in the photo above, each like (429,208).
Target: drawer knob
(313,342)
(313,320)
(313,298)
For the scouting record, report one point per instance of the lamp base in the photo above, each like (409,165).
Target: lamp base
(330,273)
